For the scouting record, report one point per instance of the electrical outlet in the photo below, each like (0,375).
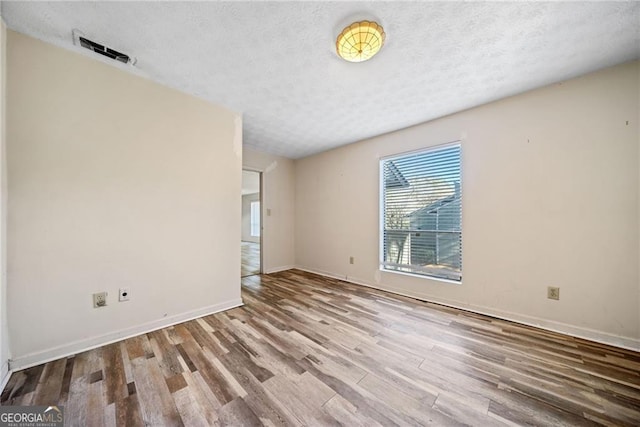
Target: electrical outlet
(350,260)
(123,294)
(99,299)
(553,293)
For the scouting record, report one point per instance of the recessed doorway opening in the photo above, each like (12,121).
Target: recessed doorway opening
(251,239)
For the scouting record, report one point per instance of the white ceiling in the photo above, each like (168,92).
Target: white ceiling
(275,61)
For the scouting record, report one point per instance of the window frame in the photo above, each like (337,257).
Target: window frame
(381,210)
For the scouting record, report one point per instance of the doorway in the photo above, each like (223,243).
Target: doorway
(251,239)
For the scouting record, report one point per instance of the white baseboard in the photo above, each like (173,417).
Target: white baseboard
(549,325)
(44,356)
(5,374)
(279,269)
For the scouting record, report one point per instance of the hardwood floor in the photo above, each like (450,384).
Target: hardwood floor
(250,257)
(307,350)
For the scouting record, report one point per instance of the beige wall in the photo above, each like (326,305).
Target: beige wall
(246,217)
(4,330)
(113,181)
(277,208)
(550,198)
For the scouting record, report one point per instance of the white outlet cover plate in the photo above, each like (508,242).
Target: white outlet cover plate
(99,296)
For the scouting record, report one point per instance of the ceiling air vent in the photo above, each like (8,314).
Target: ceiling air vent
(81,40)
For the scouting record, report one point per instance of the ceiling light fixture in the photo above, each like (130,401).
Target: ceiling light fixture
(360,41)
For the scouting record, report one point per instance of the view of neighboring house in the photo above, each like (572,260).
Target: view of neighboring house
(422,222)
(439,237)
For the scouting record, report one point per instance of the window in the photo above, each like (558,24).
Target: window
(255,219)
(421,213)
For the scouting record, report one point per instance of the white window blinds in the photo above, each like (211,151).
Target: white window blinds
(422,213)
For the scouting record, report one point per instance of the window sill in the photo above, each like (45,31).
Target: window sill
(422,276)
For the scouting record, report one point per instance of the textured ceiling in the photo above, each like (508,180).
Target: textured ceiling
(275,61)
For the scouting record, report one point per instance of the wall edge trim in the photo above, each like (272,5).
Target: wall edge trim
(279,269)
(79,346)
(5,374)
(626,343)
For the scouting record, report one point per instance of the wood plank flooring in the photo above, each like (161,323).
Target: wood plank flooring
(250,257)
(307,350)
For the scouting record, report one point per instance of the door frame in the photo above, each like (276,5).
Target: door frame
(262,210)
